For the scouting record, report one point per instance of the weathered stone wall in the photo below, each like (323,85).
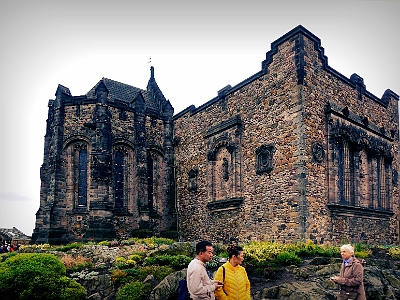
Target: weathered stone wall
(322,88)
(96,127)
(269,110)
(297,151)
(282,112)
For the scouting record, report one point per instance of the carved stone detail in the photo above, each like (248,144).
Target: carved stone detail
(102,167)
(192,179)
(318,152)
(395,177)
(265,159)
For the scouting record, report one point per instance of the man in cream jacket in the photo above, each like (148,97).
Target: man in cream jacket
(199,283)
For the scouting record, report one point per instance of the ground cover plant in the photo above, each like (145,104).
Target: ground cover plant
(131,261)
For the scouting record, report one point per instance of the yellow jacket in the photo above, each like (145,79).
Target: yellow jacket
(237,284)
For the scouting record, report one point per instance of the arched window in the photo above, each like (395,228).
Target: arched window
(82,177)
(119,179)
(150,181)
(75,161)
(360,168)
(346,174)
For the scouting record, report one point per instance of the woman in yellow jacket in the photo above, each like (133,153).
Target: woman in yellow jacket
(236,283)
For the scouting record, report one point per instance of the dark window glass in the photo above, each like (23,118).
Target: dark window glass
(119,179)
(150,191)
(82,179)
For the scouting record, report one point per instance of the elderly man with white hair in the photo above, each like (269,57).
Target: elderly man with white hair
(350,281)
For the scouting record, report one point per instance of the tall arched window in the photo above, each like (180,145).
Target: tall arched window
(119,179)
(150,181)
(82,177)
(346,173)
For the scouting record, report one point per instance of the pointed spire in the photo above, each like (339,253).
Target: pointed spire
(152,72)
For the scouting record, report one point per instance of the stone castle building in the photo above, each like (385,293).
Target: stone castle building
(295,152)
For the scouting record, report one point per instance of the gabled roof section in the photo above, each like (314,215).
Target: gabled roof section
(63,90)
(118,91)
(157,99)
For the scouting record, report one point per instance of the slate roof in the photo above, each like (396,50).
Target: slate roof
(119,91)
(13,234)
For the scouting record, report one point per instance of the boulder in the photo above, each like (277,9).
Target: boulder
(168,287)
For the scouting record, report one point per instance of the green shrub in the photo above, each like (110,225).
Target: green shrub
(252,263)
(72,290)
(134,291)
(137,256)
(329,251)
(177,248)
(359,247)
(178,262)
(310,249)
(258,268)
(361,254)
(6,255)
(35,248)
(105,243)
(140,273)
(213,263)
(287,259)
(117,275)
(130,241)
(260,251)
(153,242)
(219,249)
(62,288)
(69,247)
(37,276)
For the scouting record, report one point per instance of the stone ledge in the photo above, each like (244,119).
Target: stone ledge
(226,204)
(347,210)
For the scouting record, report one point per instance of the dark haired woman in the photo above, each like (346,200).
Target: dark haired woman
(236,283)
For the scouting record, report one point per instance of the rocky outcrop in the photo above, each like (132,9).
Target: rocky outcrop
(168,287)
(310,281)
(97,286)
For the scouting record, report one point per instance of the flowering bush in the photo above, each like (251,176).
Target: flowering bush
(34,248)
(77,263)
(394,252)
(69,247)
(117,275)
(260,251)
(137,256)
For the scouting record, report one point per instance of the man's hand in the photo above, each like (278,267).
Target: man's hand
(218,284)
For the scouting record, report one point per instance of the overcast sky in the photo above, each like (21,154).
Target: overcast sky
(197,48)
